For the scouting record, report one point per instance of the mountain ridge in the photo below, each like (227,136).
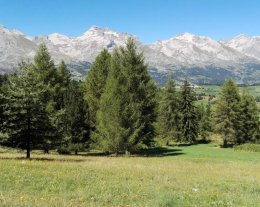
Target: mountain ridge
(201,59)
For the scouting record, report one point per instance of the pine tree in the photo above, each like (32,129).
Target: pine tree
(95,83)
(56,81)
(27,121)
(168,123)
(44,66)
(63,74)
(227,110)
(110,134)
(62,83)
(189,125)
(3,82)
(127,106)
(205,127)
(249,118)
(75,119)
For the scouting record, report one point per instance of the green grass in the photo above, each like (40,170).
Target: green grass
(198,175)
(248,147)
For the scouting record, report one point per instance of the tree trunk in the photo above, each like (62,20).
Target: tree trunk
(28,154)
(76,152)
(28,147)
(225,143)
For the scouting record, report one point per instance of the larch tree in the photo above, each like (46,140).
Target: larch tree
(205,124)
(249,118)
(75,119)
(168,122)
(127,106)
(62,83)
(189,124)
(27,121)
(3,83)
(94,84)
(227,114)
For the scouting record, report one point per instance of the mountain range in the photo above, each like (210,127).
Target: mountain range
(200,59)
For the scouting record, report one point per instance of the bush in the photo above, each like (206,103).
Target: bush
(63,150)
(248,147)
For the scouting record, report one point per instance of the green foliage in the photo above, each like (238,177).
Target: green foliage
(74,120)
(205,123)
(168,123)
(64,150)
(26,119)
(127,106)
(61,85)
(248,147)
(249,118)
(3,81)
(95,83)
(189,124)
(227,112)
(44,66)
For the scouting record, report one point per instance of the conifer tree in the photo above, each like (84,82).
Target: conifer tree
(44,66)
(205,127)
(168,123)
(63,74)
(95,83)
(27,121)
(47,72)
(249,118)
(62,83)
(75,119)
(227,112)
(189,125)
(3,82)
(127,107)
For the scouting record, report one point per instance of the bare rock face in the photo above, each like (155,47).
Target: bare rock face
(198,58)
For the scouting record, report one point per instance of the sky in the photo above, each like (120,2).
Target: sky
(149,20)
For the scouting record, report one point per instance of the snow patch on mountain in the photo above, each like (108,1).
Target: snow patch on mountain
(186,55)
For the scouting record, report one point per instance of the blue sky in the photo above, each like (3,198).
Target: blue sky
(150,20)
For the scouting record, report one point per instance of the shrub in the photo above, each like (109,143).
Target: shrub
(248,147)
(63,150)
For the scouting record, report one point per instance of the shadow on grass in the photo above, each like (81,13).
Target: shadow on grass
(227,146)
(158,152)
(151,152)
(43,159)
(190,144)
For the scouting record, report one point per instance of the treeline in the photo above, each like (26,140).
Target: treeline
(233,115)
(116,108)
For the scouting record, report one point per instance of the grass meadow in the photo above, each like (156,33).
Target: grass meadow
(197,175)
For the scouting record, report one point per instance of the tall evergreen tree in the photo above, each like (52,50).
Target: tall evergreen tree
(95,83)
(3,82)
(168,124)
(127,107)
(205,124)
(44,66)
(249,118)
(75,119)
(62,83)
(227,111)
(189,125)
(27,121)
